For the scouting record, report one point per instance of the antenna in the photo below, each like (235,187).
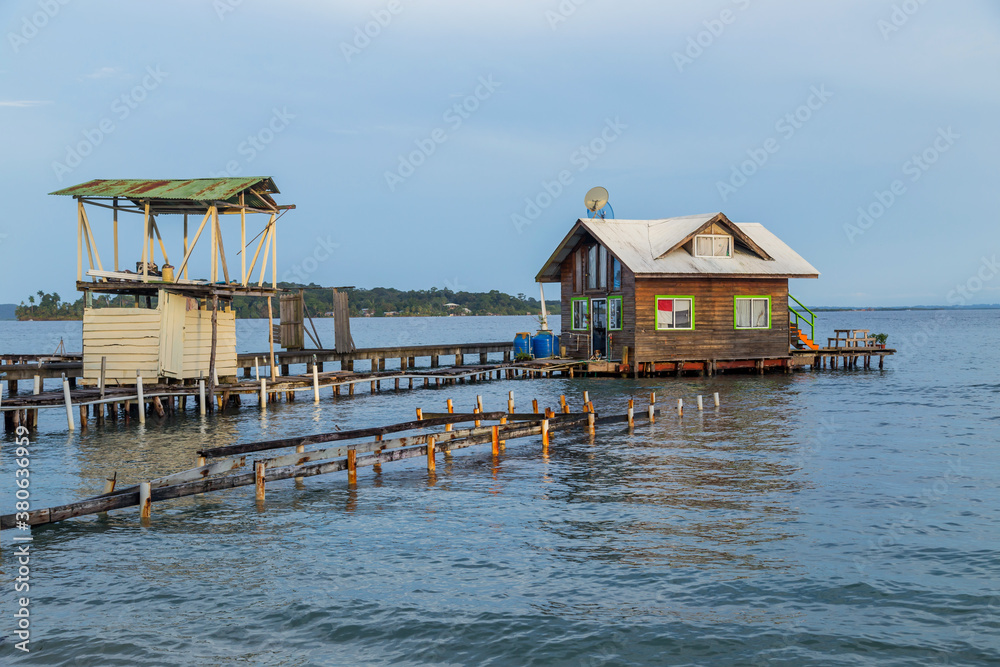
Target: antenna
(596,201)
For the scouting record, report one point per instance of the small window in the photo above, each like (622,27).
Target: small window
(592,267)
(752,312)
(713,245)
(581,314)
(616,274)
(674,312)
(615,313)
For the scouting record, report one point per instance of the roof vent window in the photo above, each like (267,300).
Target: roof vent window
(713,245)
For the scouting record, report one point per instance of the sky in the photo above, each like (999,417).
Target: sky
(450,144)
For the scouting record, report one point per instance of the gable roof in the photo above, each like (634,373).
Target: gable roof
(654,248)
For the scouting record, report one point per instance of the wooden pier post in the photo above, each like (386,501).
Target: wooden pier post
(680,407)
(260,468)
(545,436)
(69,404)
(352,467)
(510,402)
(420,414)
(534,405)
(590,422)
(140,400)
(716,397)
(451,410)
(145,501)
(201,396)
(430,454)
(631,414)
(700,406)
(263,394)
(315,381)
(496,440)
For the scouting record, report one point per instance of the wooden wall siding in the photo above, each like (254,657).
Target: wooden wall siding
(128,337)
(714,336)
(198,343)
(579,346)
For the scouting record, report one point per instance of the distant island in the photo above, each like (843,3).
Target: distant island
(375,302)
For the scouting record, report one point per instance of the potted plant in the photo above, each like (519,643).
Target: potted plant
(880,339)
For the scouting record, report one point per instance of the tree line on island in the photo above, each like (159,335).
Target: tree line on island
(375,302)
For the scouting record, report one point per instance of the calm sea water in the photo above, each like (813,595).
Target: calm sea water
(827,518)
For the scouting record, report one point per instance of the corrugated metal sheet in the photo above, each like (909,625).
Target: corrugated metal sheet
(194,189)
(639,244)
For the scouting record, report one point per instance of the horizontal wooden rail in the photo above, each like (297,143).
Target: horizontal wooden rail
(247,448)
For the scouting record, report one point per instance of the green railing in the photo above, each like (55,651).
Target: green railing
(810,320)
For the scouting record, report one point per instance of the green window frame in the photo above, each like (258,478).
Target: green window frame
(580,314)
(611,313)
(750,315)
(662,323)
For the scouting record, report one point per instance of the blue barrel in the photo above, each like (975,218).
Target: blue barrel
(542,344)
(522,344)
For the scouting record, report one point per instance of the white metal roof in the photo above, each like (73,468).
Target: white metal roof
(640,245)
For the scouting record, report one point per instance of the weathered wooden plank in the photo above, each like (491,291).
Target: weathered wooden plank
(246,448)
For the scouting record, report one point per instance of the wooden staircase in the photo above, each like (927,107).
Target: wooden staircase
(797,337)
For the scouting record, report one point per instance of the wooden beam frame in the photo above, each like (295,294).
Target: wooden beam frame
(194,242)
(145,235)
(163,248)
(222,248)
(243,240)
(79,240)
(253,264)
(115,209)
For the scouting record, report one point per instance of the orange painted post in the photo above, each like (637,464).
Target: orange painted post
(430,454)
(534,405)
(420,414)
(590,423)
(680,407)
(652,408)
(496,441)
(631,414)
(145,502)
(476,412)
(586,396)
(510,402)
(259,469)
(545,436)
(451,410)
(503,443)
(352,467)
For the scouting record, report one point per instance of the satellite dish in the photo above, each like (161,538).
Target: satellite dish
(597,204)
(595,199)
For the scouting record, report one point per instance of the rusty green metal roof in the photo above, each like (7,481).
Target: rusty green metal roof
(193,189)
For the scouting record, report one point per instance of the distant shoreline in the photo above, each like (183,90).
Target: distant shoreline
(817,309)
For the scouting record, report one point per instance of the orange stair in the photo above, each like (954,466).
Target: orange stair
(800,340)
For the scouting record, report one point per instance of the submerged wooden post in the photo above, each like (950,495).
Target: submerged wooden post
(259,469)
(145,502)
(69,403)
(451,410)
(510,402)
(496,440)
(700,406)
(352,467)
(140,399)
(420,414)
(315,381)
(263,393)
(680,407)
(586,396)
(716,396)
(545,436)
(476,411)
(430,454)
(631,414)
(534,405)
(590,422)
(299,449)
(201,396)
(503,443)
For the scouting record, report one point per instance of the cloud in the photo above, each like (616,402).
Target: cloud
(104,73)
(23,103)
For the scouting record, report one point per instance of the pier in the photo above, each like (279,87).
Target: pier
(287,458)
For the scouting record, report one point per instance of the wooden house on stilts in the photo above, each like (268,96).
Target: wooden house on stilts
(165,322)
(658,295)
